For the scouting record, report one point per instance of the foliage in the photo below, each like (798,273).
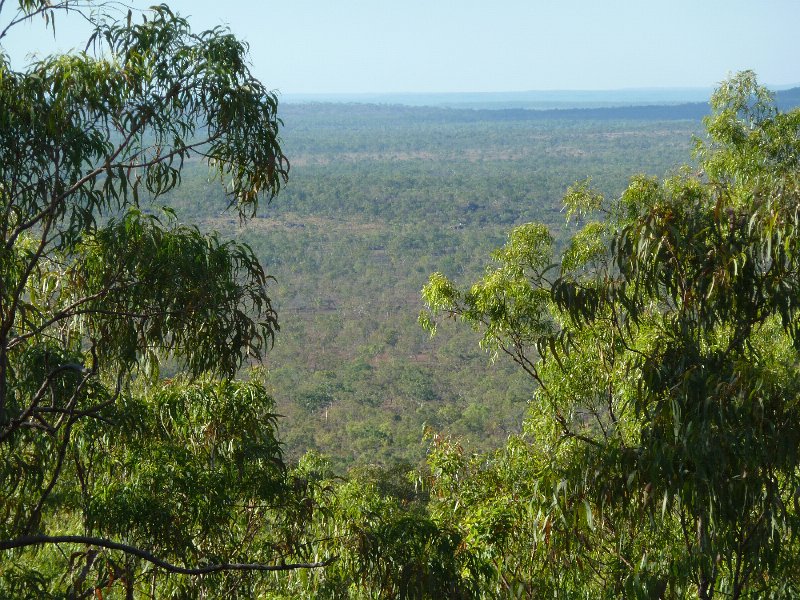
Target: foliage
(664,437)
(110,477)
(405,191)
(377,523)
(429,195)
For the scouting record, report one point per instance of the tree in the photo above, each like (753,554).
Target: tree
(665,446)
(97,290)
(377,523)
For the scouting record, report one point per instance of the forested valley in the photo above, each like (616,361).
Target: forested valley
(378,198)
(255,349)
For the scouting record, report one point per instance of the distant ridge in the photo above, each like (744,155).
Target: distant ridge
(785,100)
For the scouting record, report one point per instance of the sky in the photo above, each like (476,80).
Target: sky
(393,46)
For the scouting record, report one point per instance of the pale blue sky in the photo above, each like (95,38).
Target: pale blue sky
(338,46)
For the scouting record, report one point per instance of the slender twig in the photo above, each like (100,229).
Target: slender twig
(23,16)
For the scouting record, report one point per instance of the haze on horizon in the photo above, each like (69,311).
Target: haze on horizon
(445,46)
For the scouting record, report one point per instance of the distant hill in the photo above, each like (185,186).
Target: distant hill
(579,106)
(534,100)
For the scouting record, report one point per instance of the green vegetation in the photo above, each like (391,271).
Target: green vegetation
(378,198)
(111,478)
(660,454)
(636,437)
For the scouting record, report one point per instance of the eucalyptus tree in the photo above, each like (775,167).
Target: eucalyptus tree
(662,450)
(97,290)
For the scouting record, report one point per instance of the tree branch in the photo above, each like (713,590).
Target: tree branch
(40,540)
(16,422)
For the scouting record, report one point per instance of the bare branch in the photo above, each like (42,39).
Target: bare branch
(19,421)
(41,540)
